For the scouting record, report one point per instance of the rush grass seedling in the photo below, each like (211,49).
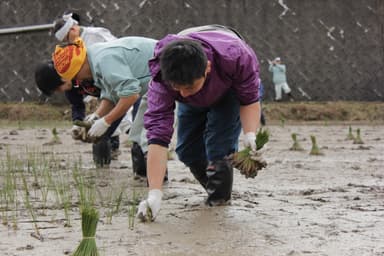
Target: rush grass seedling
(357,139)
(296,145)
(350,134)
(315,149)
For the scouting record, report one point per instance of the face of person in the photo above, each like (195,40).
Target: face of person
(195,87)
(65,86)
(73,33)
(84,72)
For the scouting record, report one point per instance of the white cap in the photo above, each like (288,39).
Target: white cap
(277,59)
(62,33)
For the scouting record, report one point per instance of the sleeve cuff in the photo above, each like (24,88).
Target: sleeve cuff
(158,142)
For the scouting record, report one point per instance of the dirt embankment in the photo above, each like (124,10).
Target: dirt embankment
(293,111)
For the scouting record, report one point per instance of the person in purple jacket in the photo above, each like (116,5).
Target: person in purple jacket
(214,76)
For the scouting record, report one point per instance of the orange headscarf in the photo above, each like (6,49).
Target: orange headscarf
(68,59)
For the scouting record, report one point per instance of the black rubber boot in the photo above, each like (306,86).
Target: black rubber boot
(139,163)
(262,119)
(199,171)
(220,180)
(102,152)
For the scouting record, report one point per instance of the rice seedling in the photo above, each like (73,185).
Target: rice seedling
(249,162)
(315,149)
(296,145)
(350,134)
(64,190)
(9,195)
(55,138)
(89,219)
(115,204)
(132,209)
(29,207)
(357,139)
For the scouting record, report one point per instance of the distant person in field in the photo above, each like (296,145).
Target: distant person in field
(279,78)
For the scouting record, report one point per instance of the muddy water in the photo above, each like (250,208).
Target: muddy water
(299,205)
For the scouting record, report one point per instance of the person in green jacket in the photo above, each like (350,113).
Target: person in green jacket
(279,79)
(120,70)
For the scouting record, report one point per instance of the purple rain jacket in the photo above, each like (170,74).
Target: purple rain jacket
(234,66)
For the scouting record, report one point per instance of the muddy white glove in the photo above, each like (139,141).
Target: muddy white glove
(250,140)
(98,128)
(150,206)
(78,132)
(92,117)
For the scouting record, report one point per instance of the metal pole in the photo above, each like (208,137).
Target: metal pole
(25,29)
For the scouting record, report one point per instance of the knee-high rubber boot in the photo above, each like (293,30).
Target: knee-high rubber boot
(199,171)
(101,152)
(139,163)
(220,180)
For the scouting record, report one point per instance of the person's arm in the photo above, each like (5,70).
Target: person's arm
(250,117)
(120,109)
(118,85)
(245,66)
(156,165)
(77,104)
(104,107)
(158,120)
(250,121)
(270,68)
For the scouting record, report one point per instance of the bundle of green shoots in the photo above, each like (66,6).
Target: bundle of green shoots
(249,162)
(358,139)
(86,125)
(350,134)
(55,138)
(315,149)
(89,219)
(296,145)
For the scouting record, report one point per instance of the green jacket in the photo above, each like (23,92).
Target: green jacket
(120,67)
(278,71)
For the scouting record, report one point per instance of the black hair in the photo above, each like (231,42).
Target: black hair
(182,62)
(75,15)
(46,78)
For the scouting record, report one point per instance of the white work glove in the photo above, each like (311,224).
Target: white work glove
(77,132)
(250,140)
(151,204)
(98,128)
(92,117)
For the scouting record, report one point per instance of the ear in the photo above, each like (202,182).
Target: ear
(208,68)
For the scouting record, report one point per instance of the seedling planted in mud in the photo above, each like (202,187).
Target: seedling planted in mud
(65,197)
(115,203)
(296,145)
(358,139)
(132,209)
(350,134)
(9,192)
(29,207)
(315,149)
(55,138)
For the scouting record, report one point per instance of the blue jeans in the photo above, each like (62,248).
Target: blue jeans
(208,134)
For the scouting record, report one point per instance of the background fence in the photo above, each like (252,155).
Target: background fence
(333,49)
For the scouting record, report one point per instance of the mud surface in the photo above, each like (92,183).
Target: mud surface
(299,205)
